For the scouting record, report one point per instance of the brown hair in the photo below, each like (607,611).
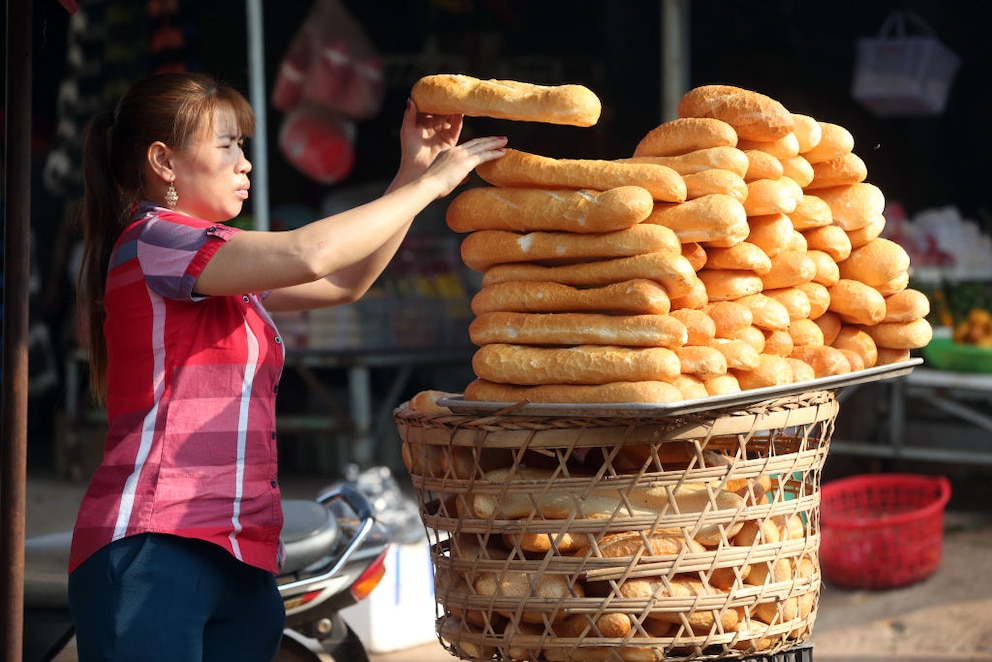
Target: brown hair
(170,108)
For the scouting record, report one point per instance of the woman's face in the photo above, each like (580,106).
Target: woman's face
(212,173)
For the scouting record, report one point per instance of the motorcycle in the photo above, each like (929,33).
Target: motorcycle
(335,556)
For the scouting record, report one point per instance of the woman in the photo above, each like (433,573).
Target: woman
(176,545)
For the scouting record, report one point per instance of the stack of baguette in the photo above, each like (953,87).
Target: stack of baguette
(738,247)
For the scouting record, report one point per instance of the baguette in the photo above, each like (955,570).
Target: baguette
(906,305)
(811,212)
(686,134)
(901,335)
(835,141)
(730,318)
(772,196)
(532,209)
(481,390)
(876,262)
(772,370)
(808,132)
(798,169)
(482,249)
(762,165)
(863,235)
(785,147)
(578,329)
(753,115)
(795,300)
(779,342)
(715,180)
(638,543)
(582,364)
(516,168)
(788,269)
(843,171)
(729,284)
(857,302)
(714,220)
(855,205)
(458,94)
(744,255)
(701,327)
(856,339)
(674,272)
(708,158)
(630,297)
(771,233)
(681,586)
(702,361)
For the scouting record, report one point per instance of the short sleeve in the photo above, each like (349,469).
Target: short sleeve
(173,252)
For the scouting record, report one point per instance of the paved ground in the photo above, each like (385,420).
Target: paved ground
(947,617)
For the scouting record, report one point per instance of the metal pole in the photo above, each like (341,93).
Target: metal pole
(16,261)
(674,55)
(259,157)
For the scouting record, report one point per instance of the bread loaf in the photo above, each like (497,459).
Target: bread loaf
(762,165)
(798,169)
(686,134)
(811,212)
(532,209)
(772,196)
(771,233)
(611,392)
(863,235)
(857,302)
(673,271)
(875,263)
(708,158)
(819,297)
(785,147)
(578,329)
(730,318)
(729,284)
(715,180)
(715,220)
(842,171)
(788,269)
(632,297)
(521,169)
(582,364)
(808,132)
(753,115)
(459,94)
(778,342)
(901,335)
(768,313)
(772,370)
(906,305)
(856,339)
(700,327)
(835,141)
(744,255)
(855,205)
(482,249)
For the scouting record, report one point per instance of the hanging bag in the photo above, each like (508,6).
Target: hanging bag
(898,73)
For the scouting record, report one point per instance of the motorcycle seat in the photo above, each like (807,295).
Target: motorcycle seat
(310,532)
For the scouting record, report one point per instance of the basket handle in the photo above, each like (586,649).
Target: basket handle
(895,24)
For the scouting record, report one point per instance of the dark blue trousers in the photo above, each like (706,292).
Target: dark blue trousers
(156,597)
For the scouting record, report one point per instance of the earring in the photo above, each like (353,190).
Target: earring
(171,197)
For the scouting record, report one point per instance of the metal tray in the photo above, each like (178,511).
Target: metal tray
(462,407)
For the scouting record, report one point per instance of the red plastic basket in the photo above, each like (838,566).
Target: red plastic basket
(882,531)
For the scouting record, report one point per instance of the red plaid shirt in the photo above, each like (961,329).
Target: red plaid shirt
(191,387)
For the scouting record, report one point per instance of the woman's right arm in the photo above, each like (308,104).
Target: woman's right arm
(299,267)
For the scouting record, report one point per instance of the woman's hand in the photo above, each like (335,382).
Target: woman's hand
(424,137)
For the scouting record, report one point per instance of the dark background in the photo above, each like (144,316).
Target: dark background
(799,52)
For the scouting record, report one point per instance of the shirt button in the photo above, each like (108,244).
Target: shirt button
(273,435)
(278,340)
(273,483)
(275,389)
(245,298)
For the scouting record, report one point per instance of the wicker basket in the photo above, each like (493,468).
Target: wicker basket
(652,538)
